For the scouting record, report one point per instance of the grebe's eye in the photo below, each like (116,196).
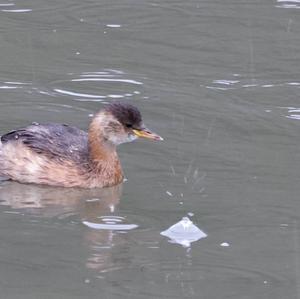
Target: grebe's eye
(128,125)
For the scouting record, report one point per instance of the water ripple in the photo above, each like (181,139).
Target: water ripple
(229,84)
(6,4)
(177,279)
(288,4)
(110,223)
(292,112)
(16,10)
(97,86)
(12,84)
(108,80)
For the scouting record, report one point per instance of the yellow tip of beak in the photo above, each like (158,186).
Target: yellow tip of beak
(146,133)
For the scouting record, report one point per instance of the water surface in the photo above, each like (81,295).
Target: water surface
(220,82)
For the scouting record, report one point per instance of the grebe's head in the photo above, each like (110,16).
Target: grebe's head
(122,122)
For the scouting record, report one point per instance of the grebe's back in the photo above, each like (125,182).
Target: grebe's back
(56,141)
(53,154)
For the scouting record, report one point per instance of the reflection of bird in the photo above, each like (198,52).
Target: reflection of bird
(67,208)
(47,201)
(60,155)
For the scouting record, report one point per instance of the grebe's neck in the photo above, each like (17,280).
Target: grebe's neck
(103,157)
(99,148)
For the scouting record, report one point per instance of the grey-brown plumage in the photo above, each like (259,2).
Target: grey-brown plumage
(56,141)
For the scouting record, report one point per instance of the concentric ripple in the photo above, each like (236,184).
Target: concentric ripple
(110,223)
(170,279)
(98,86)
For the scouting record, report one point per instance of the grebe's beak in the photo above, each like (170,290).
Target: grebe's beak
(146,133)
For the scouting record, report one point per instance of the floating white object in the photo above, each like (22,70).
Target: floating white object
(184,232)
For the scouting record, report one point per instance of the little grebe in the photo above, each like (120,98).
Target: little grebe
(61,155)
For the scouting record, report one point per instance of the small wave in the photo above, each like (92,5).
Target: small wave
(229,84)
(110,223)
(288,4)
(17,10)
(6,4)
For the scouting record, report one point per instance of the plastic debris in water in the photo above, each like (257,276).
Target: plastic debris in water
(184,232)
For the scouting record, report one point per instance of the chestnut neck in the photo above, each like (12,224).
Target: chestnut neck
(104,163)
(100,149)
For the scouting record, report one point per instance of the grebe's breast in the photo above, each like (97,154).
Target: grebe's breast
(54,141)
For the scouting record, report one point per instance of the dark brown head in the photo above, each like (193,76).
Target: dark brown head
(121,122)
(127,115)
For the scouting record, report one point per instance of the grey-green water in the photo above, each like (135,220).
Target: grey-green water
(219,80)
